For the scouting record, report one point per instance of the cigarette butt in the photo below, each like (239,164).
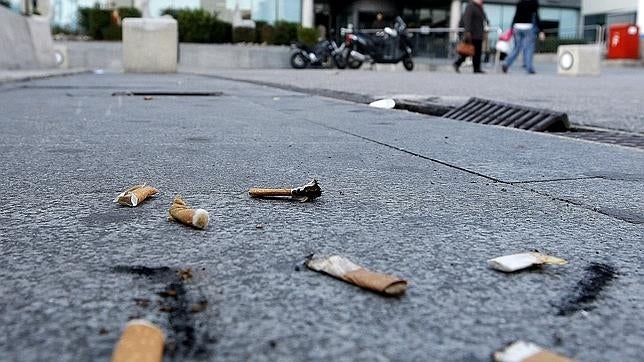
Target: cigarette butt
(260,192)
(512,263)
(521,351)
(141,341)
(342,268)
(181,212)
(303,193)
(135,195)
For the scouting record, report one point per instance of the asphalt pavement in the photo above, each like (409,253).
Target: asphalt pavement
(611,100)
(423,198)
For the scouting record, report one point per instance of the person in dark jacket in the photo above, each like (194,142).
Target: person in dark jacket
(526,25)
(473,21)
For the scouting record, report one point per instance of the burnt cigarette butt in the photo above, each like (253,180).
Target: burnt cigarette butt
(515,262)
(342,268)
(263,192)
(181,212)
(141,341)
(521,351)
(135,195)
(303,193)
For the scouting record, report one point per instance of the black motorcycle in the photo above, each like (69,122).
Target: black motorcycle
(390,45)
(319,55)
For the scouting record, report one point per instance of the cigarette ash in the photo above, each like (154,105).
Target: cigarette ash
(598,276)
(180,302)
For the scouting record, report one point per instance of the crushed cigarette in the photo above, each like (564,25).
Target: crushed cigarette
(135,195)
(148,98)
(344,269)
(141,341)
(521,351)
(181,212)
(304,193)
(511,263)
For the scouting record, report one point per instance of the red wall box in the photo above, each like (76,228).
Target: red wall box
(623,41)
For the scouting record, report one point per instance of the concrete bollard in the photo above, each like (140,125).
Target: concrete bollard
(150,45)
(579,59)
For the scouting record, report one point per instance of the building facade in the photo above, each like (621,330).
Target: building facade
(608,12)
(564,15)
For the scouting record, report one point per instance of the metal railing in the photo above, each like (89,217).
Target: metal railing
(436,42)
(589,34)
(441,42)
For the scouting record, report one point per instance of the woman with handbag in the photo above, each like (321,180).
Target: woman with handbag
(473,20)
(526,26)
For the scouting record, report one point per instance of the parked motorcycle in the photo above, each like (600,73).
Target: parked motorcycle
(391,45)
(319,55)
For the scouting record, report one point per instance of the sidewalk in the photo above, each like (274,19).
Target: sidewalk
(427,199)
(611,100)
(26,75)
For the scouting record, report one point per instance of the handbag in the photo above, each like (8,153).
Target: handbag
(465,49)
(506,35)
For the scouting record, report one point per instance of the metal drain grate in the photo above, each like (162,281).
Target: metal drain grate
(423,107)
(478,110)
(168,94)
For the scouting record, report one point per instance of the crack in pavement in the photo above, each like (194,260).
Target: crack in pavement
(614,213)
(556,180)
(621,215)
(435,110)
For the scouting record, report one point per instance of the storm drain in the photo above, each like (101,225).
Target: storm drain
(485,111)
(168,94)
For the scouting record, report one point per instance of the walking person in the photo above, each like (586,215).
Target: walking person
(473,20)
(526,25)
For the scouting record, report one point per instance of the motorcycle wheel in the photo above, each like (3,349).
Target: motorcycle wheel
(299,61)
(408,63)
(340,61)
(353,63)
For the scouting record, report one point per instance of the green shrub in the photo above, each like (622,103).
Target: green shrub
(83,19)
(172,12)
(243,35)
(258,30)
(221,31)
(99,19)
(5,3)
(194,26)
(112,32)
(551,44)
(199,26)
(308,36)
(267,34)
(97,23)
(127,12)
(285,33)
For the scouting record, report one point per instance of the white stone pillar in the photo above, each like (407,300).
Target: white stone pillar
(308,14)
(454,18)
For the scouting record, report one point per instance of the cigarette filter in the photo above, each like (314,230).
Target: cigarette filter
(303,193)
(343,268)
(141,341)
(135,195)
(521,351)
(181,212)
(512,263)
